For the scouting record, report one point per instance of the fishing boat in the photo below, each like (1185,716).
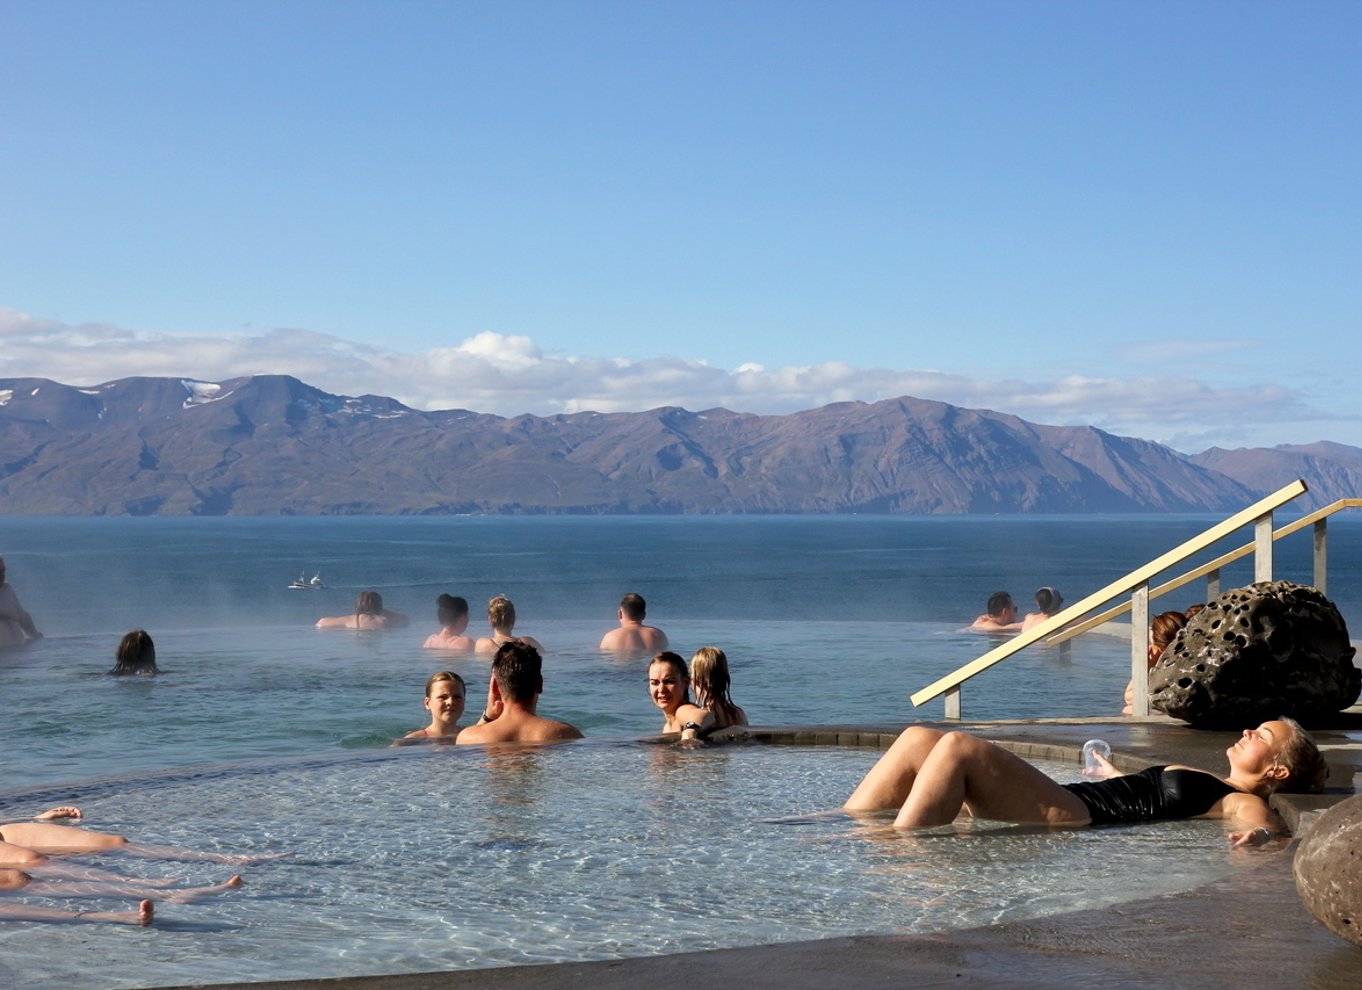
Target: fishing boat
(302,583)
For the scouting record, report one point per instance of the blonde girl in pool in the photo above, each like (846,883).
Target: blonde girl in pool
(931,777)
(709,677)
(501,616)
(669,687)
(446,694)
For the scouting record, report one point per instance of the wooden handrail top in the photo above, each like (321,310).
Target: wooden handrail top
(1117,611)
(1121,586)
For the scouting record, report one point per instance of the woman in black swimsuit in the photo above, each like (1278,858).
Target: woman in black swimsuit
(933,776)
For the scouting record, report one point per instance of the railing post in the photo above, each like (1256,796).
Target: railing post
(1213,585)
(1139,649)
(953,704)
(1322,556)
(1262,548)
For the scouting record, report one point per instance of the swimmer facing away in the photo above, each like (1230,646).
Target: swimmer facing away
(501,616)
(369,614)
(452,613)
(709,677)
(633,636)
(1048,603)
(136,655)
(931,777)
(513,692)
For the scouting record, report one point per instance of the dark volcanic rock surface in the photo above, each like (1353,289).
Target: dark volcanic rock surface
(274,445)
(1256,653)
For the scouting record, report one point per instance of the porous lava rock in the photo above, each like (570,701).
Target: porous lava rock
(1328,869)
(1273,648)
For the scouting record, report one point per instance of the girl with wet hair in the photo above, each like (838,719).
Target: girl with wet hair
(709,678)
(136,655)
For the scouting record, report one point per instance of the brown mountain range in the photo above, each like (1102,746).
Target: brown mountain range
(271,445)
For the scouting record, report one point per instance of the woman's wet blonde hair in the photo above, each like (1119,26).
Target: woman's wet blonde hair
(501,612)
(1306,767)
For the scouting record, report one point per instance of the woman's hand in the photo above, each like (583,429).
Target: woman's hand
(1104,769)
(1259,836)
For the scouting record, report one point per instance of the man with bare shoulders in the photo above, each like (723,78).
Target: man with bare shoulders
(1001,616)
(633,636)
(16,626)
(513,693)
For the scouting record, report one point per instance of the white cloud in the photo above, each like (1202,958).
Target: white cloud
(510,375)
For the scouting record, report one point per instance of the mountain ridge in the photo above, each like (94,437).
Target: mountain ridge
(274,445)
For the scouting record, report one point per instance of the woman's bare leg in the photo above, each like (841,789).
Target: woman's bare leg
(964,771)
(45,837)
(197,856)
(890,780)
(100,888)
(19,856)
(144,915)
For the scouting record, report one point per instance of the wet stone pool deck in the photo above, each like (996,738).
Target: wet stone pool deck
(1249,930)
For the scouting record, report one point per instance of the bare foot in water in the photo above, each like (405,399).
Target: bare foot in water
(188,895)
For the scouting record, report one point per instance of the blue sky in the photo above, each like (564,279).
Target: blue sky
(1141,216)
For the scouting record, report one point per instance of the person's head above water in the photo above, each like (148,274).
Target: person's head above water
(1164,627)
(518,669)
(440,677)
(633,607)
(1049,600)
(1000,603)
(450,610)
(669,681)
(709,675)
(501,612)
(369,603)
(136,654)
(1297,766)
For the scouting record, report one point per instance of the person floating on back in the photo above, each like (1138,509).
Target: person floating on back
(1001,616)
(513,693)
(633,636)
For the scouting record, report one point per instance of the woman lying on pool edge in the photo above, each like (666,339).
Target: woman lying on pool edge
(931,777)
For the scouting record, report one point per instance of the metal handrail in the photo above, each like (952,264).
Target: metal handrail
(1321,576)
(1135,583)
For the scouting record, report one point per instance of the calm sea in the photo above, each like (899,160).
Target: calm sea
(265,734)
(824,619)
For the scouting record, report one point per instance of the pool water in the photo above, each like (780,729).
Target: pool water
(428,858)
